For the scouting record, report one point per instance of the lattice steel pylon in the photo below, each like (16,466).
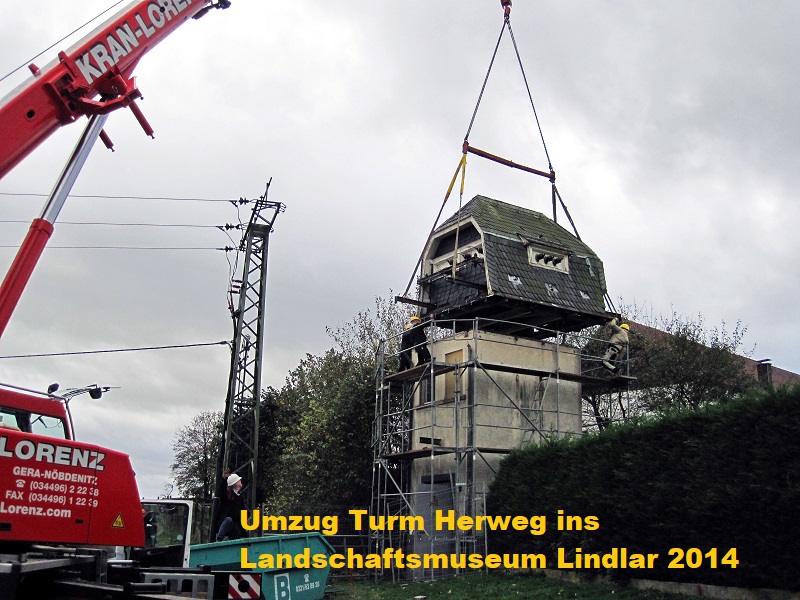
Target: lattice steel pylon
(242,414)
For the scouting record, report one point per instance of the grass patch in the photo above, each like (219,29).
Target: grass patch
(496,587)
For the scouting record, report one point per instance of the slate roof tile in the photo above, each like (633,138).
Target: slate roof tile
(510,273)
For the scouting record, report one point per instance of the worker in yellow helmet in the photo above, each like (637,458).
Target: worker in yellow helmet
(414,339)
(617,344)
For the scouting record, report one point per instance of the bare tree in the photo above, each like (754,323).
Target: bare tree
(678,363)
(196,447)
(359,337)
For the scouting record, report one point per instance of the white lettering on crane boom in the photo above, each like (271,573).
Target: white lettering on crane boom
(105,54)
(50,453)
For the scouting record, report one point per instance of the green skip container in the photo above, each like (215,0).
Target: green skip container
(275,582)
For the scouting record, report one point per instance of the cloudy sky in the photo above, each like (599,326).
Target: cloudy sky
(672,128)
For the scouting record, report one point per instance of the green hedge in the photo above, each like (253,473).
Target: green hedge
(727,477)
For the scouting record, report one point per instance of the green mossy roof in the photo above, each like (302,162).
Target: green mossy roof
(511,275)
(501,218)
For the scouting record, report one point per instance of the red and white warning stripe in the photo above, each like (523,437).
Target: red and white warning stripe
(244,586)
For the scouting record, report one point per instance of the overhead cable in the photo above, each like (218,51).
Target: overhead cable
(238,201)
(50,47)
(222,227)
(116,350)
(224,248)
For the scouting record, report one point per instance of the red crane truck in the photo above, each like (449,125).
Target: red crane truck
(63,500)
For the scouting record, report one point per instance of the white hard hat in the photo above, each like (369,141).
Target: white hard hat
(233,480)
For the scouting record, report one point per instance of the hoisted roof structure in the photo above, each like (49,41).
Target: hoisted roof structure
(494,260)
(506,262)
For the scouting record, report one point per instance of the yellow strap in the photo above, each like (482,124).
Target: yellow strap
(461,164)
(463,172)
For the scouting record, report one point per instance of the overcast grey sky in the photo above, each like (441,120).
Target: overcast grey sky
(672,128)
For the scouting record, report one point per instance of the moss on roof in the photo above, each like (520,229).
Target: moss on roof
(507,232)
(504,219)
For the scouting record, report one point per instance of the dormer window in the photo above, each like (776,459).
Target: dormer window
(441,264)
(548,259)
(542,253)
(470,251)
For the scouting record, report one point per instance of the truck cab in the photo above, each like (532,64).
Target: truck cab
(56,490)
(168,528)
(32,414)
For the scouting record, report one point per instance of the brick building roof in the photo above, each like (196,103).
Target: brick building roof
(756,369)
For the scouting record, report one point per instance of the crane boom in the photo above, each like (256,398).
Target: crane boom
(92,77)
(65,491)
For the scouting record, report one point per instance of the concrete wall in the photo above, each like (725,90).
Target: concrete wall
(552,407)
(543,406)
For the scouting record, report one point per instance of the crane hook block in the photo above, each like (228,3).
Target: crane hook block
(506,4)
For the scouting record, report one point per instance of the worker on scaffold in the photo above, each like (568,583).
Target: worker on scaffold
(414,339)
(617,344)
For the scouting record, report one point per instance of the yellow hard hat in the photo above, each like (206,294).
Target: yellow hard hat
(415,318)
(624,326)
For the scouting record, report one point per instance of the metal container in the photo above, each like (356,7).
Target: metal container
(272,578)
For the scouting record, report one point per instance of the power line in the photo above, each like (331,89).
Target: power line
(166,198)
(226,343)
(224,249)
(226,226)
(27,62)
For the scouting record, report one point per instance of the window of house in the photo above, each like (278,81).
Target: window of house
(452,358)
(425,390)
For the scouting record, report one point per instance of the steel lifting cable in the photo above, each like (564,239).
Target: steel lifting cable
(507,25)
(466,148)
(611,304)
(606,295)
(506,4)
(528,89)
(486,79)
(566,212)
(461,166)
(556,193)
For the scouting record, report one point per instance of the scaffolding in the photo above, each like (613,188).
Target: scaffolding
(441,428)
